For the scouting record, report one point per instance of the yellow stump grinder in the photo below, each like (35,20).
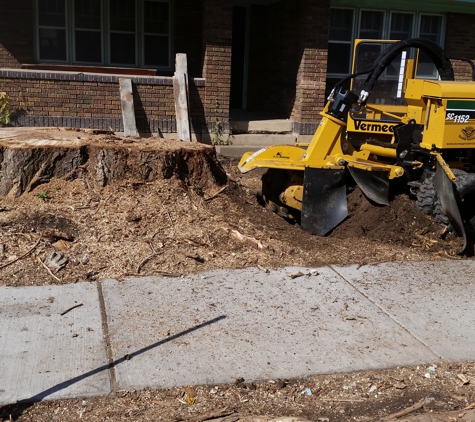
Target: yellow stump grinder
(384,125)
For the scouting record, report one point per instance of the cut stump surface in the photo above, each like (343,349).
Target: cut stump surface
(29,158)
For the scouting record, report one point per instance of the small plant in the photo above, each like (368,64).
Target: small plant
(44,196)
(4,108)
(220,135)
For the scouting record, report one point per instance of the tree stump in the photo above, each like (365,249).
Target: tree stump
(31,156)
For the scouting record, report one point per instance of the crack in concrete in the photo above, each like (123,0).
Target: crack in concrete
(387,313)
(105,330)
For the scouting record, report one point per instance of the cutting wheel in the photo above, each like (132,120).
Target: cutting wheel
(274,184)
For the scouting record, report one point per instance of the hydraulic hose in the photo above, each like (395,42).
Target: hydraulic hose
(435,52)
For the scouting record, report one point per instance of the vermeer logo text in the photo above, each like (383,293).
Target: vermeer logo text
(374,127)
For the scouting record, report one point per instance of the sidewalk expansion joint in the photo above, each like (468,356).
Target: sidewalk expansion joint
(386,312)
(105,330)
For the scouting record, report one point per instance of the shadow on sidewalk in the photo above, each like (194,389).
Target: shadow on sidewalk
(13,411)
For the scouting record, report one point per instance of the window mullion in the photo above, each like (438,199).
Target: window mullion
(140,33)
(70,23)
(106,34)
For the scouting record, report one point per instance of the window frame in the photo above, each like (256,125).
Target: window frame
(402,12)
(384,26)
(357,11)
(37,47)
(144,33)
(73,37)
(70,22)
(442,30)
(350,42)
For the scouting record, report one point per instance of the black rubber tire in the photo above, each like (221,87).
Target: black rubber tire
(427,196)
(429,203)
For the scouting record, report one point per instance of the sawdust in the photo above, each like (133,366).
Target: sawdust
(362,397)
(171,227)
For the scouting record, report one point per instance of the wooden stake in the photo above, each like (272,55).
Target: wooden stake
(181,93)
(127,103)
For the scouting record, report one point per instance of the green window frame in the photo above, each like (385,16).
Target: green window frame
(120,33)
(373,23)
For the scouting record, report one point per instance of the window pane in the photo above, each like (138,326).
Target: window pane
(425,67)
(401,26)
(341,24)
(431,28)
(122,48)
(51,13)
(156,50)
(52,44)
(122,15)
(156,17)
(371,24)
(339,58)
(88,46)
(87,14)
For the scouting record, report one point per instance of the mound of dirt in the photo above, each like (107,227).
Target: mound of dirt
(196,214)
(399,223)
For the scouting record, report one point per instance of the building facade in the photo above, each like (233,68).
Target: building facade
(60,60)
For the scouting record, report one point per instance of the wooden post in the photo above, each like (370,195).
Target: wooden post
(127,103)
(180,90)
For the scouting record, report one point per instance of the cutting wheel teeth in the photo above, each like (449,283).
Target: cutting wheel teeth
(280,211)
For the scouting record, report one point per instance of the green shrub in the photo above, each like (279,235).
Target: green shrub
(4,108)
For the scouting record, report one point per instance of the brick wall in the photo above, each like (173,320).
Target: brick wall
(17,29)
(217,41)
(55,98)
(91,100)
(16,32)
(311,77)
(460,41)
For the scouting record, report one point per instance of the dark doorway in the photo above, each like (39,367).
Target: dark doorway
(238,58)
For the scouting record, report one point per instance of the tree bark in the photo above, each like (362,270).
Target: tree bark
(27,161)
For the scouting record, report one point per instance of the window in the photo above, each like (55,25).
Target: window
(52,29)
(87,31)
(429,27)
(401,26)
(371,24)
(132,33)
(340,40)
(346,24)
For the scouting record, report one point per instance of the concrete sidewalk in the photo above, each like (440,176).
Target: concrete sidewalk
(215,327)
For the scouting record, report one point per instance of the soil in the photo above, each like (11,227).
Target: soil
(177,225)
(200,215)
(361,396)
